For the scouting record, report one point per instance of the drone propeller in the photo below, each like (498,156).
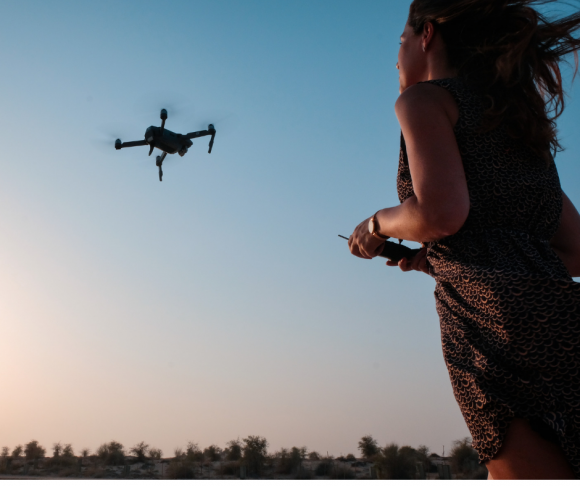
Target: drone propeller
(163,117)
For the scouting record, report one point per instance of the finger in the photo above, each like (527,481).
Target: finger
(404,264)
(391,263)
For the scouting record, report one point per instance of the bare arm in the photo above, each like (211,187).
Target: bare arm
(566,241)
(427,115)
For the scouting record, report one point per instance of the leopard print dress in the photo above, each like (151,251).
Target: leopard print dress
(508,308)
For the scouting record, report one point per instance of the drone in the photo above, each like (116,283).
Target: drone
(167,141)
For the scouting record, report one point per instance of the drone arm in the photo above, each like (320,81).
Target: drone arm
(201,133)
(138,143)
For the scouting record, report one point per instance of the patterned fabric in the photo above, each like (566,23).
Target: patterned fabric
(509,310)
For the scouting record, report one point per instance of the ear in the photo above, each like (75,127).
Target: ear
(428,35)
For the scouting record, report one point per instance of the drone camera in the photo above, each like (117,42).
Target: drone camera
(163,114)
(118,144)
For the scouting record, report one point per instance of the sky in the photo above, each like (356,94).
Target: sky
(219,303)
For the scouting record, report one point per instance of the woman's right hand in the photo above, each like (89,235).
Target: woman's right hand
(418,262)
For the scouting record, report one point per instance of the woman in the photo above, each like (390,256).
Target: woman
(480,90)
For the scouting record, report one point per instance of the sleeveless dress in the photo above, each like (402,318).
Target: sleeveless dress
(508,308)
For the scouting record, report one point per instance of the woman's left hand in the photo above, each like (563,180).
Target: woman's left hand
(364,245)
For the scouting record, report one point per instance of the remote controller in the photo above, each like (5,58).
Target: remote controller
(395,251)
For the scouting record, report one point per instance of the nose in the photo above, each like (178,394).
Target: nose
(397,65)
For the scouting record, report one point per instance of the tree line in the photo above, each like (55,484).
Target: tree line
(248,457)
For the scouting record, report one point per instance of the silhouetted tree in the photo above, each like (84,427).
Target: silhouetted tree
(67,451)
(193,452)
(155,453)
(464,459)
(56,449)
(397,463)
(212,453)
(112,453)
(17,452)
(33,450)
(140,450)
(368,447)
(233,450)
(254,454)
(314,456)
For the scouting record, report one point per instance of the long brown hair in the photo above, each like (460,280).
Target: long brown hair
(511,53)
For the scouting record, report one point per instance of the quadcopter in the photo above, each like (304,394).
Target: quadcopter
(167,141)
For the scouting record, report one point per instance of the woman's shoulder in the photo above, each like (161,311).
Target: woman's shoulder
(425,99)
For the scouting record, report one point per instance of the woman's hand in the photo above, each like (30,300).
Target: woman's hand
(418,262)
(364,245)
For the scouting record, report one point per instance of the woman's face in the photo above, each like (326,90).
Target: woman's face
(411,63)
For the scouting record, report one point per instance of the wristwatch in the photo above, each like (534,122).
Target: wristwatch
(374,228)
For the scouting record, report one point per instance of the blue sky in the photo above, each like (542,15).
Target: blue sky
(219,303)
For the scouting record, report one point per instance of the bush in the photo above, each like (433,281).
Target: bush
(193,452)
(397,463)
(368,447)
(94,472)
(342,471)
(56,449)
(230,468)
(212,453)
(155,453)
(67,451)
(314,456)
(112,453)
(233,450)
(140,450)
(324,468)
(85,452)
(17,452)
(33,450)
(254,454)
(180,470)
(465,461)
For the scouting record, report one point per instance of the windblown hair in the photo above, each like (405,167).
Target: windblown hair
(510,53)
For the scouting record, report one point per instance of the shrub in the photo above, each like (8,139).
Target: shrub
(229,468)
(324,468)
(465,460)
(112,453)
(193,452)
(56,449)
(94,472)
(5,452)
(233,450)
(140,450)
(212,453)
(33,450)
(350,458)
(397,463)
(17,452)
(368,447)
(342,471)
(155,453)
(314,456)
(67,451)
(180,470)
(254,454)
(85,452)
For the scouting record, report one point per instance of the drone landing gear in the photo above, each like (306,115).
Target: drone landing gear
(159,163)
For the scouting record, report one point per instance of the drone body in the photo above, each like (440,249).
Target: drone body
(167,141)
